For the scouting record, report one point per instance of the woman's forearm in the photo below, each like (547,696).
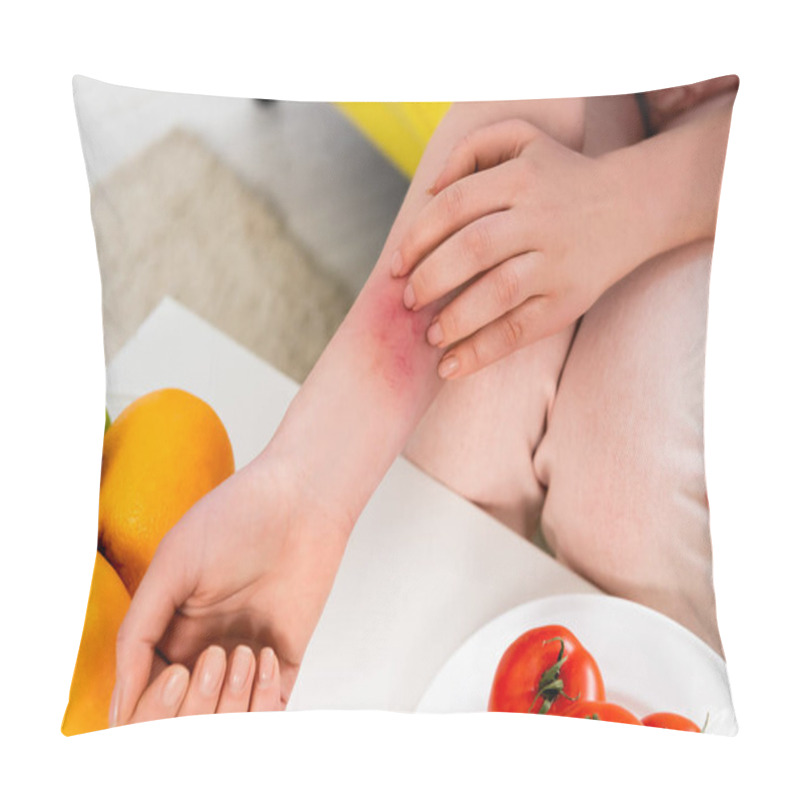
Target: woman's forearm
(377,377)
(668,185)
(366,393)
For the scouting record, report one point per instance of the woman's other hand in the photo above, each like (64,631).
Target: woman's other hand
(528,229)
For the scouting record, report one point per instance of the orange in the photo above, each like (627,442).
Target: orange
(93,679)
(160,456)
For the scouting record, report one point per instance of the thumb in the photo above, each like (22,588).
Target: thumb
(162,591)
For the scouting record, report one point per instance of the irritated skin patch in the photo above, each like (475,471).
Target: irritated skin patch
(402,354)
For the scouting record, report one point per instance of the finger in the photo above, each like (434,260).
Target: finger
(452,209)
(161,591)
(522,326)
(484,148)
(205,684)
(238,682)
(481,245)
(159,665)
(500,290)
(267,690)
(288,678)
(162,698)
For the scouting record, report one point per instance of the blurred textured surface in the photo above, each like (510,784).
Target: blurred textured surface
(174,220)
(331,188)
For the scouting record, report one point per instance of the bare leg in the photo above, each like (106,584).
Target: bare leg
(478,435)
(622,458)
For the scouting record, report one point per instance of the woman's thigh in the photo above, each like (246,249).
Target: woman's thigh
(622,457)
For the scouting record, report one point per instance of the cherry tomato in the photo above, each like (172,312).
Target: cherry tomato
(666,719)
(543,671)
(608,712)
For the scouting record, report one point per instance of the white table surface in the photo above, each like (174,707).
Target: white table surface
(417,578)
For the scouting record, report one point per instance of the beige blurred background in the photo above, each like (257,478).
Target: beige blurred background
(265,218)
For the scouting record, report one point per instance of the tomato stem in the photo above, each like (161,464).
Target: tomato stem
(551,687)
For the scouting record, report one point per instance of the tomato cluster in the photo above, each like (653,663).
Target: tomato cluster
(548,671)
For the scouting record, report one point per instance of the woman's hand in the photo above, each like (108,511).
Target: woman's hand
(217,684)
(528,226)
(252,563)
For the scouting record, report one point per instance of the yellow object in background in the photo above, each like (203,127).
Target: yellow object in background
(399,130)
(95,667)
(164,452)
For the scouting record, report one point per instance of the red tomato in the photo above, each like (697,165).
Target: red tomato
(544,671)
(608,712)
(666,719)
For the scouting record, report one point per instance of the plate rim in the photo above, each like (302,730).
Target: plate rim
(592,598)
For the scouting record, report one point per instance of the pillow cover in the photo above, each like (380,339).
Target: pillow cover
(339,516)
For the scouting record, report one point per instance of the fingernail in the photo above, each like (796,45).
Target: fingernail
(397,264)
(435,334)
(240,668)
(266,666)
(213,671)
(174,688)
(116,706)
(408,297)
(448,366)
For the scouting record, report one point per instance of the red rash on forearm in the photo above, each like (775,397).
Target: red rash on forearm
(401,355)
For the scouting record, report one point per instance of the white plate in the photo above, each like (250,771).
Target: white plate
(648,662)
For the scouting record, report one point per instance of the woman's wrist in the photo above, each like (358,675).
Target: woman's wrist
(284,465)
(634,224)
(293,463)
(667,186)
